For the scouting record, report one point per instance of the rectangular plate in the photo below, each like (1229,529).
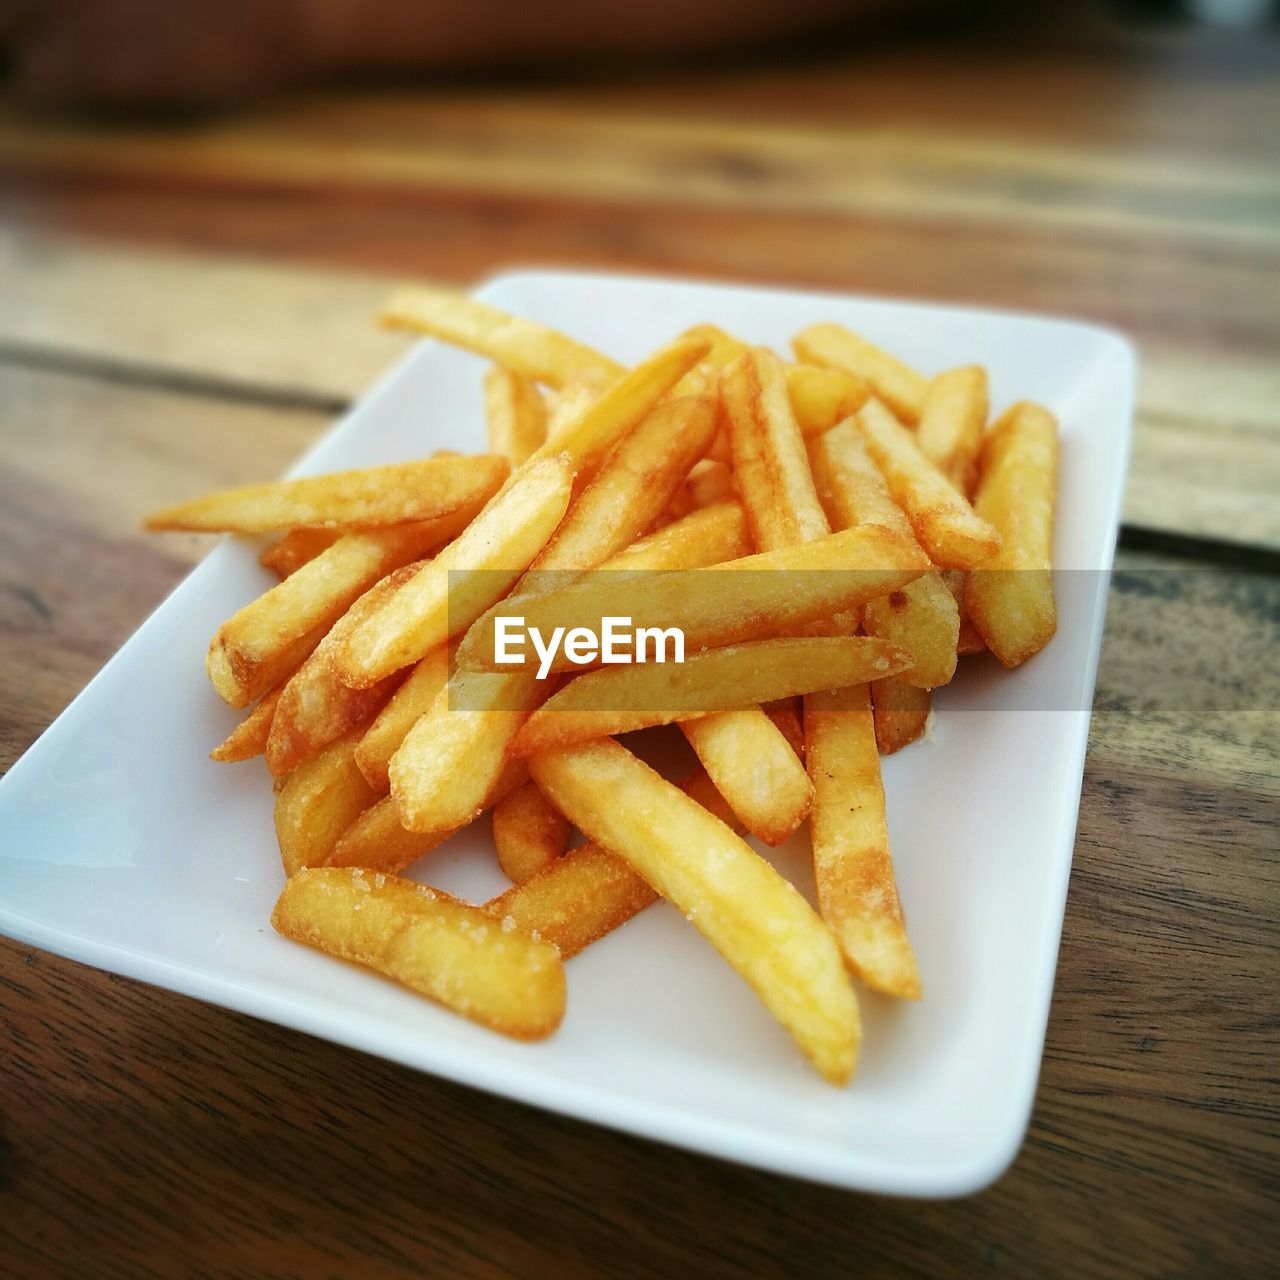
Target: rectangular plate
(123,847)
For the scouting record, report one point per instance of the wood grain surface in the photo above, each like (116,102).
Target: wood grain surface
(205,320)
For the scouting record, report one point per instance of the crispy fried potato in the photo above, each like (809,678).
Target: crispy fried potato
(769,460)
(901,713)
(835,347)
(620,699)
(757,920)
(373,498)
(464,579)
(951,424)
(568,403)
(410,702)
(518,344)
(515,415)
(713,535)
(821,397)
(857,889)
(944,522)
(422,938)
(249,737)
(317,802)
(270,637)
(633,487)
(762,595)
(315,707)
(377,840)
(709,482)
(970,640)
(786,719)
(292,550)
(528,833)
(754,768)
(1010,600)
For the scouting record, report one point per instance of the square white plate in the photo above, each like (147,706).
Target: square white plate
(123,847)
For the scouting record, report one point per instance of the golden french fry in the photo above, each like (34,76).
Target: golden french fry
(315,707)
(769,460)
(522,345)
(620,699)
(901,713)
(754,768)
(249,737)
(591,435)
(528,833)
(514,414)
(633,487)
(410,702)
(422,938)
(377,840)
(568,403)
(857,889)
(446,766)
(835,347)
(712,535)
(484,561)
(268,639)
(709,482)
(951,423)
(767,594)
(821,397)
(372,498)
(292,550)
(575,900)
(1010,599)
(317,802)
(757,920)
(970,640)
(944,522)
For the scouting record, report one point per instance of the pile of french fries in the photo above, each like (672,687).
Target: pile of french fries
(845,529)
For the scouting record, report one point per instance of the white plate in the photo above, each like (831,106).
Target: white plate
(123,847)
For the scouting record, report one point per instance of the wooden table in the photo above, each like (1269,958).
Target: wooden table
(186,306)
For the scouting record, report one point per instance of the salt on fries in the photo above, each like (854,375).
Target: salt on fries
(828,536)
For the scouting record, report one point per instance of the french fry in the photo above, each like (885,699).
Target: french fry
(269,638)
(518,344)
(754,768)
(447,764)
(709,482)
(377,841)
(712,535)
(621,699)
(853,869)
(568,403)
(835,347)
(944,522)
(951,423)
(317,802)
(821,397)
(769,460)
(410,702)
(921,617)
(757,920)
(901,713)
(422,938)
(292,550)
(970,640)
(786,719)
(528,833)
(315,708)
(373,498)
(1011,600)
(249,737)
(484,561)
(633,487)
(514,414)
(767,594)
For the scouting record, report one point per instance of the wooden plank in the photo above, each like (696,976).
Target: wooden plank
(172,1127)
(1206,453)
